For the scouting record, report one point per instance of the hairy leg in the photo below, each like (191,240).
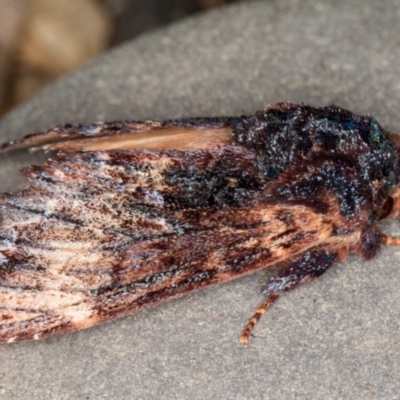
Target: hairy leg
(311,265)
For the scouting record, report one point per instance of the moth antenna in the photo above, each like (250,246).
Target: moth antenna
(261,310)
(389,240)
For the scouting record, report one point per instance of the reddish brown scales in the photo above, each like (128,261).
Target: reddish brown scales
(131,214)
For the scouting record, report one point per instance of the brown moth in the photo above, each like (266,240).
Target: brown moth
(131,214)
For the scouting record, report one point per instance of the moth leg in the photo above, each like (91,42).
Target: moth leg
(389,240)
(311,265)
(261,310)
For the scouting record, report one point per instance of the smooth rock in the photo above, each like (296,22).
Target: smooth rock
(337,337)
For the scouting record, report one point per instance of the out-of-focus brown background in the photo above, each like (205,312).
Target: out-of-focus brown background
(43,39)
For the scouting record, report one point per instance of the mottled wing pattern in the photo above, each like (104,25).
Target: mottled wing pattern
(99,235)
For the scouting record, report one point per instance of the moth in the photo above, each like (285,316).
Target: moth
(131,214)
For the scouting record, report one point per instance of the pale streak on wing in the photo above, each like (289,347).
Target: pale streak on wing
(67,132)
(159,139)
(183,135)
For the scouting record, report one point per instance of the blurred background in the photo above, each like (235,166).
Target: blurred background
(43,39)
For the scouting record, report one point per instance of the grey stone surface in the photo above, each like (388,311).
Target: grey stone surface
(337,337)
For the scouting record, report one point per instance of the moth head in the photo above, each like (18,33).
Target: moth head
(391,207)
